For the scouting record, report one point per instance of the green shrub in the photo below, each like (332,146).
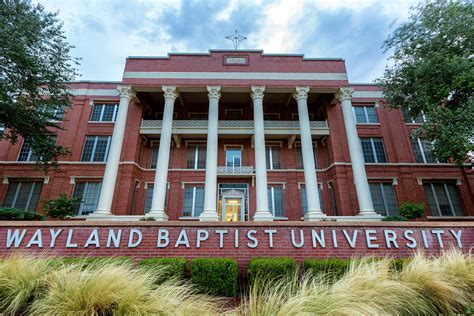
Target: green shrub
(167,268)
(271,268)
(411,210)
(14,214)
(332,268)
(61,207)
(394,218)
(216,276)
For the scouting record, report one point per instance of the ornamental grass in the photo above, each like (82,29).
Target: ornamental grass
(425,286)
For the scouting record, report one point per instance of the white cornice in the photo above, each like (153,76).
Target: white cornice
(235,75)
(367,94)
(96,92)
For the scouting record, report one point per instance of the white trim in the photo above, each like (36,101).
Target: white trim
(96,92)
(420,180)
(234,75)
(367,94)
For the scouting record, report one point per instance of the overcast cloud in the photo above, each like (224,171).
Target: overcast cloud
(106,32)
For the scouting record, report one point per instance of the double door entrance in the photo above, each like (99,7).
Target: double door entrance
(233,206)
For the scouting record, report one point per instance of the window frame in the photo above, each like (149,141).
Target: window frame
(271,199)
(233,147)
(271,163)
(373,149)
(234,111)
(381,186)
(366,114)
(20,183)
(94,148)
(80,208)
(423,153)
(193,209)
(276,116)
(101,116)
(196,156)
(448,196)
(29,155)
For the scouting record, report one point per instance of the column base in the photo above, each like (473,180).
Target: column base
(314,215)
(209,216)
(263,216)
(158,215)
(101,213)
(369,216)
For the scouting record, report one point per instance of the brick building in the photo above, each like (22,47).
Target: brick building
(237,136)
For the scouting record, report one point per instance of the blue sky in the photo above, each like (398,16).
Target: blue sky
(106,32)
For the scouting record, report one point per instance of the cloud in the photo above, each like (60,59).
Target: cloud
(106,32)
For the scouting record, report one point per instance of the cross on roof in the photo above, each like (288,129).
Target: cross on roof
(236,38)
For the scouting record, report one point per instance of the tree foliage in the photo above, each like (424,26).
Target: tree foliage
(433,74)
(35,64)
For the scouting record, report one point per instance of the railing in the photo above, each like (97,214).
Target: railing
(235,170)
(248,124)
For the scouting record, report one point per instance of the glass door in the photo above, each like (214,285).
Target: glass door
(232,210)
(233,159)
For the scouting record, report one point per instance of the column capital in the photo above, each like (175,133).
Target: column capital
(170,92)
(126,91)
(257,92)
(301,93)
(345,93)
(214,92)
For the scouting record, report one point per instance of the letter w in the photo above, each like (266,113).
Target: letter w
(15,238)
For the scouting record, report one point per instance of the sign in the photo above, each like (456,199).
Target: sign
(242,241)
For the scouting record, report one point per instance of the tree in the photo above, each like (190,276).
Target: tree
(34,67)
(433,74)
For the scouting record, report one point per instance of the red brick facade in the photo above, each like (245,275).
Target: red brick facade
(333,158)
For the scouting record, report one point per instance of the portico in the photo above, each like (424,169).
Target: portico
(260,131)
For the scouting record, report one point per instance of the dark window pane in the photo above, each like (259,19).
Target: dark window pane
(360,114)
(372,114)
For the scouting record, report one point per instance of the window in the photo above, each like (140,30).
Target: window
(155,148)
(420,119)
(373,149)
(299,153)
(104,113)
(365,114)
(233,157)
(23,195)
(443,199)
(233,114)
(196,157)
(271,116)
(332,195)
(149,198)
(304,200)
(54,114)
(96,148)
(273,157)
(89,193)
(26,153)
(275,200)
(193,200)
(383,198)
(423,151)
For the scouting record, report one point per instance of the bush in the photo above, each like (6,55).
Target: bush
(167,268)
(394,218)
(14,214)
(411,210)
(216,276)
(271,268)
(399,263)
(61,207)
(333,268)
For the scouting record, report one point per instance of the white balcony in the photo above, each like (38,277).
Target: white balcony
(199,127)
(235,171)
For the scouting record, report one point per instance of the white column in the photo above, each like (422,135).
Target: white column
(261,213)
(311,183)
(111,168)
(161,176)
(210,196)
(357,157)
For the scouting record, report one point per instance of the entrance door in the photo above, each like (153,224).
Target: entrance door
(232,209)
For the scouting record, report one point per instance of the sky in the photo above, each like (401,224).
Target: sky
(105,32)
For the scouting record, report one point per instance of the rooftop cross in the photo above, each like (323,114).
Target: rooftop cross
(236,38)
